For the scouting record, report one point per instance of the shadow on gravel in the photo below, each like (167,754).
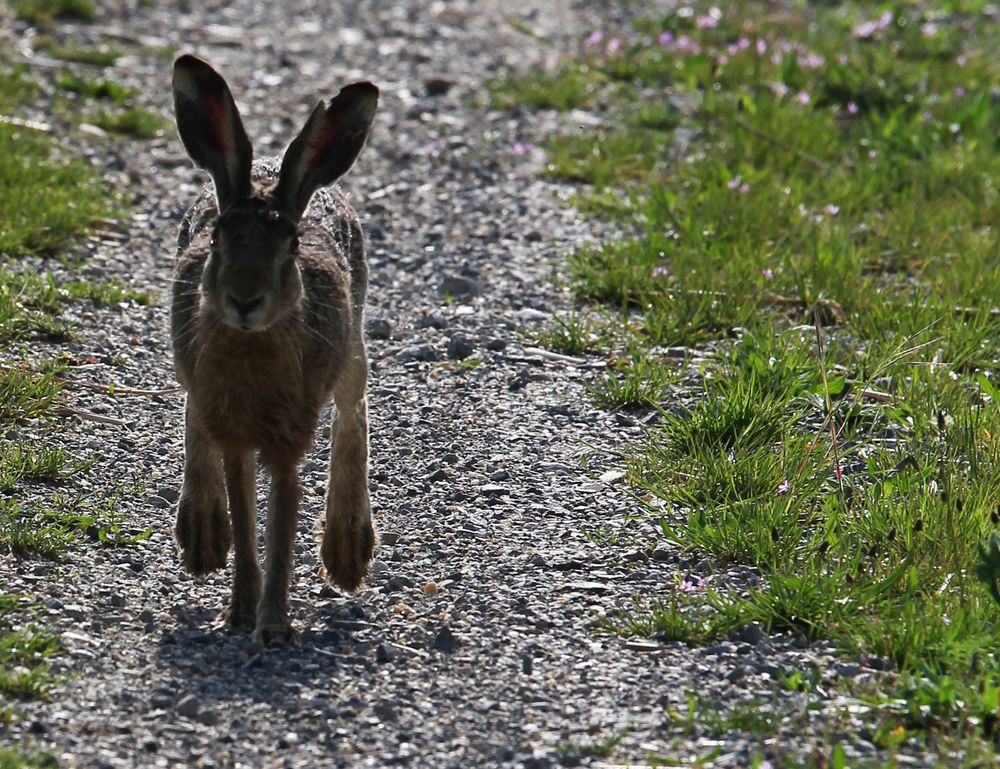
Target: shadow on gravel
(208,660)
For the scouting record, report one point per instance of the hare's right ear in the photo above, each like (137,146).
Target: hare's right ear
(210,128)
(326,147)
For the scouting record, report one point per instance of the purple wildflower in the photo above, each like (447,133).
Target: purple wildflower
(594,38)
(811,61)
(686,45)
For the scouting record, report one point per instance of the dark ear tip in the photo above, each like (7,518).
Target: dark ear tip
(189,64)
(362,89)
(186,60)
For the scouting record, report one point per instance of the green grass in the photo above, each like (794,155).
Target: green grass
(134,121)
(100,88)
(31,304)
(44,12)
(48,203)
(26,394)
(10,759)
(24,652)
(824,230)
(102,55)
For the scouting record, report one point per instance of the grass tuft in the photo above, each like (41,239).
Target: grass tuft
(814,207)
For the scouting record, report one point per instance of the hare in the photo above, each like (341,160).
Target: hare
(267,325)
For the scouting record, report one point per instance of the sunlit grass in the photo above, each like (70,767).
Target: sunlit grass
(811,199)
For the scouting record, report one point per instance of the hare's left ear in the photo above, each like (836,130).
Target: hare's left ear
(210,128)
(326,147)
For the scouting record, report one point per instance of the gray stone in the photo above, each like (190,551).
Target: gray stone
(187,706)
(422,353)
(459,348)
(378,328)
(458,287)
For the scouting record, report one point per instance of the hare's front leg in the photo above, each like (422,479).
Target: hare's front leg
(241,484)
(202,528)
(273,625)
(349,538)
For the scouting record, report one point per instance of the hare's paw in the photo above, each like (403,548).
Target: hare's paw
(274,629)
(347,551)
(241,614)
(203,534)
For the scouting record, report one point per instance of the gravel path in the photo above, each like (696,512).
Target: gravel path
(476,640)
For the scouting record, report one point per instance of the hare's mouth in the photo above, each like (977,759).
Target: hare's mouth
(245,314)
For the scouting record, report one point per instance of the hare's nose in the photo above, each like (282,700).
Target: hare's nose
(245,306)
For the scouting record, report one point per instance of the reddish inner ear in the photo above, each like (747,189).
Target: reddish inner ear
(216,113)
(319,145)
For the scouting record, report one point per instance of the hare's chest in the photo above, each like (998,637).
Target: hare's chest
(258,403)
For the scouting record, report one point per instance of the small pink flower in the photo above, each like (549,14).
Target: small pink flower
(708,21)
(780,90)
(929,29)
(831,210)
(867,29)
(811,61)
(962,59)
(768,273)
(761,47)
(614,45)
(959,91)
(665,38)
(733,183)
(660,272)
(803,97)
(594,38)
(784,486)
(926,116)
(852,108)
(523,148)
(431,148)
(744,188)
(686,45)
(872,154)
(691,584)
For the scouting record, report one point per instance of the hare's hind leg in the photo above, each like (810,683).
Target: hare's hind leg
(349,538)
(273,625)
(202,528)
(240,469)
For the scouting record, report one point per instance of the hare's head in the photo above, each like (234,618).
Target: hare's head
(252,276)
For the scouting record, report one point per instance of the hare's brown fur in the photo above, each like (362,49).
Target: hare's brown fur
(261,386)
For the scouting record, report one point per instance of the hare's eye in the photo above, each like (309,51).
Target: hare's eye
(214,240)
